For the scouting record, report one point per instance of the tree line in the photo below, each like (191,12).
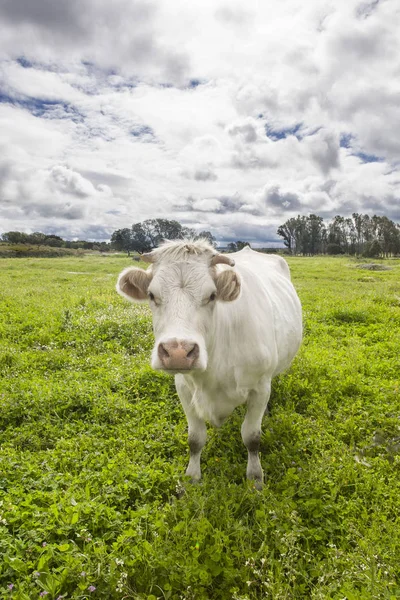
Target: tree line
(307,235)
(146,235)
(358,235)
(54,241)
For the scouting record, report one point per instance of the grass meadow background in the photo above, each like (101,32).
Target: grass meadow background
(93,449)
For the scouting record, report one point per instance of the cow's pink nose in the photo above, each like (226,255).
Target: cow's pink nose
(178,355)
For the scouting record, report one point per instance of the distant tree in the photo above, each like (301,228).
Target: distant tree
(397,242)
(158,230)
(373,249)
(316,234)
(336,233)
(368,228)
(334,249)
(387,233)
(146,235)
(15,237)
(104,246)
(288,232)
(54,240)
(240,245)
(87,245)
(232,247)
(207,235)
(304,235)
(37,238)
(141,240)
(358,226)
(78,244)
(121,240)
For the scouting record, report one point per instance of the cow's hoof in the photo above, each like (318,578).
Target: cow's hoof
(193,478)
(258,484)
(255,483)
(193,481)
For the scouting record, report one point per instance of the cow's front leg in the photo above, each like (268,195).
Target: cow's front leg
(197,438)
(197,431)
(251,432)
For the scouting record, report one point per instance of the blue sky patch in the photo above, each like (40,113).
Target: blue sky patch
(140,131)
(276,133)
(346,140)
(368,158)
(24,62)
(51,109)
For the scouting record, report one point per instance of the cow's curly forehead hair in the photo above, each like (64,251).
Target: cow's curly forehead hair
(181,251)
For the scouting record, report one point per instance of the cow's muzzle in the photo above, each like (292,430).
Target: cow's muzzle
(178,355)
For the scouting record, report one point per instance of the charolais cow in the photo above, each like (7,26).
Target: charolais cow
(224,325)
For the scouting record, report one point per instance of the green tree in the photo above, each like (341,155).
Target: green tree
(207,235)
(158,230)
(288,232)
(240,245)
(334,249)
(141,240)
(316,234)
(54,240)
(300,234)
(15,237)
(336,233)
(373,249)
(38,238)
(387,233)
(121,240)
(146,235)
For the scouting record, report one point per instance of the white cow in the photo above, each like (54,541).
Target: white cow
(223,332)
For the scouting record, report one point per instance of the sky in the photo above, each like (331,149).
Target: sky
(228,116)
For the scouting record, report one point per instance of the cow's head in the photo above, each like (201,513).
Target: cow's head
(182,285)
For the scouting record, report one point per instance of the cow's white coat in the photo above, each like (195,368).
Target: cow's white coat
(243,343)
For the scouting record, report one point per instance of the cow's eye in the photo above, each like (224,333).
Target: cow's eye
(151,296)
(213,296)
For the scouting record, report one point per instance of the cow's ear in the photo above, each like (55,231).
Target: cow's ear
(133,284)
(228,285)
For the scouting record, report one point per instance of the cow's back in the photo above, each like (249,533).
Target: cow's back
(262,330)
(259,262)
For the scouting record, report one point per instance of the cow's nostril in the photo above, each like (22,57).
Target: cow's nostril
(194,352)
(162,352)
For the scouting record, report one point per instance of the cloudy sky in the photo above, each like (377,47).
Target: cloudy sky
(226,115)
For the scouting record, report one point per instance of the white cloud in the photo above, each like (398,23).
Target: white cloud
(65,181)
(208,204)
(138,106)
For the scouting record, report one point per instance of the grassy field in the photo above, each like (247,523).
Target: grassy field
(93,449)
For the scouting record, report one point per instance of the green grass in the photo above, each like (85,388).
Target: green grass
(93,449)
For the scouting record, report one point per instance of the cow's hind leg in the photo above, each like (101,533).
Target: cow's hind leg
(197,434)
(251,432)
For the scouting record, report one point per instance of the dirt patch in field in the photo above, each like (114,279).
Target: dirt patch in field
(80,273)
